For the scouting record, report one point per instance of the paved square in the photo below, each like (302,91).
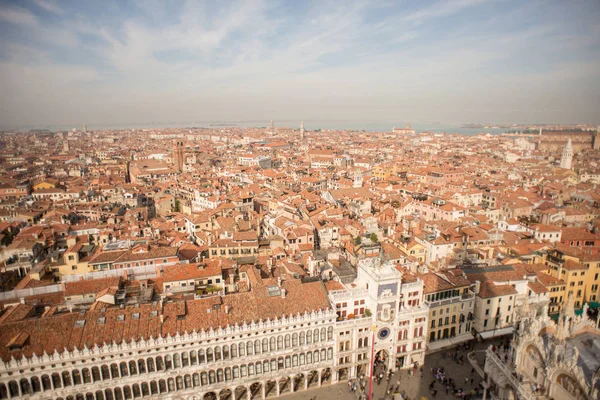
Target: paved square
(415,386)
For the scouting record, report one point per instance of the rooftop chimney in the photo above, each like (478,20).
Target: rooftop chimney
(283,293)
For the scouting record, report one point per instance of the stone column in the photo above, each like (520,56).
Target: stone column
(320,371)
(277,387)
(291,384)
(249,392)
(264,390)
(306,381)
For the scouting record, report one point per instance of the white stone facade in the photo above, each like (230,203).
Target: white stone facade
(250,361)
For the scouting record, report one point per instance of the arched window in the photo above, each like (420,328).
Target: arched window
(265,366)
(133,367)
(302,338)
(257,346)
(243,370)
(162,386)
(249,348)
(26,387)
(187,381)
(234,350)
(179,383)
(295,340)
(56,381)
(76,377)
(204,378)
(258,368)
(250,369)
(309,337)
(153,388)
(176,361)
(330,333)
(136,390)
(227,374)
(185,361)
(366,342)
(323,355)
(66,377)
(150,364)
(87,376)
(242,349)
(13,388)
(273,365)
(171,384)
(316,356)
(288,362)
(288,341)
(201,357)
(294,360)
(193,358)
(302,359)
(316,335)
(36,386)
(168,362)
(123,367)
(225,352)
(265,345)
(309,358)
(272,344)
(329,353)
(220,375)
(217,353)
(279,343)
(160,365)
(280,363)
(95,374)
(46,384)
(145,389)
(236,372)
(105,372)
(196,380)
(209,355)
(323,334)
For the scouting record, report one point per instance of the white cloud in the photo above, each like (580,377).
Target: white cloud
(50,6)
(17,15)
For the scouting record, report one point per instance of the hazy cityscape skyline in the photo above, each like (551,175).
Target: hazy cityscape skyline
(452,61)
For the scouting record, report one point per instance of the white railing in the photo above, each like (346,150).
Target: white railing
(17,294)
(507,374)
(148,271)
(344,294)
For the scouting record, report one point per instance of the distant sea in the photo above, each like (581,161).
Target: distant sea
(386,126)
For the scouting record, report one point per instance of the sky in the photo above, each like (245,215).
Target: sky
(454,61)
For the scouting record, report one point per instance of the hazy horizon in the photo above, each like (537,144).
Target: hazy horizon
(453,62)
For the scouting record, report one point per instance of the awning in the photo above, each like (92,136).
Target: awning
(498,332)
(593,304)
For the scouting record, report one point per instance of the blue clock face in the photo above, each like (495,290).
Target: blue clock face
(383,333)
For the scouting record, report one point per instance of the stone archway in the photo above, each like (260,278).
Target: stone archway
(565,383)
(298,382)
(313,378)
(209,396)
(225,394)
(326,376)
(271,388)
(256,390)
(284,385)
(240,393)
(342,374)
